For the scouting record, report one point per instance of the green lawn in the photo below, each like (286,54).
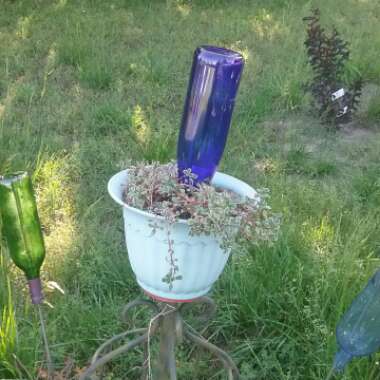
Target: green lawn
(88,87)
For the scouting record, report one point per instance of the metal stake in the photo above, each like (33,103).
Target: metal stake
(167,364)
(49,361)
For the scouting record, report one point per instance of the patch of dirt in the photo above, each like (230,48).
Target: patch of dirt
(352,133)
(369,92)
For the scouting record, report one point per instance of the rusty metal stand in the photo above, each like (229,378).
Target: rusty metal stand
(168,322)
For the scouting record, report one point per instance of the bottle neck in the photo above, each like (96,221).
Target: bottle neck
(35,290)
(342,358)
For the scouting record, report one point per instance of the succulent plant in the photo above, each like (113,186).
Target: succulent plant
(212,211)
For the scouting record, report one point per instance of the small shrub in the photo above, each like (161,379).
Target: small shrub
(328,55)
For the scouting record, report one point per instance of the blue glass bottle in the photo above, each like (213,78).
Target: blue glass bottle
(214,82)
(358,332)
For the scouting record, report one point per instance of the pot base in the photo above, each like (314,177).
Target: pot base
(168,300)
(171,297)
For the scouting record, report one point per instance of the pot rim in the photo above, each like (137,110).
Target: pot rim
(117,183)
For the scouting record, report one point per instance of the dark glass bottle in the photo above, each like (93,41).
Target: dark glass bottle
(214,82)
(21,229)
(358,332)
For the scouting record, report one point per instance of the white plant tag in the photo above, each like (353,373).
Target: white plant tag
(342,112)
(337,94)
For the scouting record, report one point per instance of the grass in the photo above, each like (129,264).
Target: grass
(7,321)
(87,87)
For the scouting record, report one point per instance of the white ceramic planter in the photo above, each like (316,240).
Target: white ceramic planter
(200,258)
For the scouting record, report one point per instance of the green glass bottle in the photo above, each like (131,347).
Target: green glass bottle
(21,228)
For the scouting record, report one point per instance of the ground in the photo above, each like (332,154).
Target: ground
(88,87)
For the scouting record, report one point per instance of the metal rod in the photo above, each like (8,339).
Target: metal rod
(222,355)
(145,366)
(49,361)
(131,305)
(114,339)
(167,364)
(113,354)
